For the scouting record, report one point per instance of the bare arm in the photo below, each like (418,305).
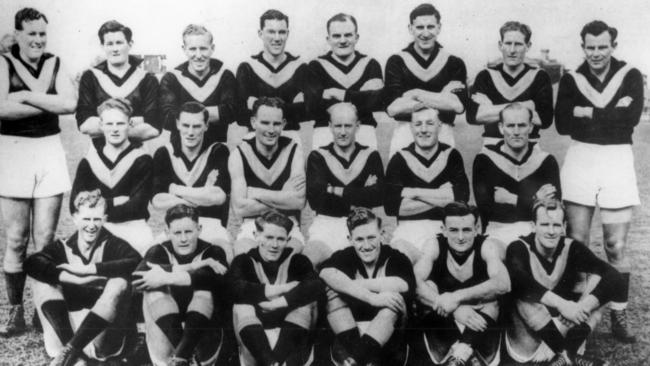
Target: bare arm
(498,282)
(213,114)
(209,195)
(242,205)
(142,131)
(403,105)
(426,293)
(340,282)
(165,201)
(384,284)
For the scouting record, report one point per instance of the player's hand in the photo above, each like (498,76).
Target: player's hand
(582,112)
(624,102)
(78,269)
(211,180)
(502,195)
(453,86)
(120,200)
(152,279)
(447,189)
(467,316)
(413,94)
(529,104)
(480,98)
(275,304)
(250,101)
(295,183)
(391,300)
(216,266)
(545,192)
(138,120)
(371,181)
(446,303)
(573,312)
(334,93)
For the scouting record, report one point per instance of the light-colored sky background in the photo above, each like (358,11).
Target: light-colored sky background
(469,28)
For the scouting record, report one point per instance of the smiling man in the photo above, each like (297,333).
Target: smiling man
(122,170)
(510,175)
(511,80)
(201,79)
(267,172)
(424,75)
(371,288)
(598,106)
(82,293)
(345,75)
(119,76)
(550,321)
(275,291)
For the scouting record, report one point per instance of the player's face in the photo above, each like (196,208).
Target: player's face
(344,126)
(460,232)
(198,48)
(116,48)
(268,124)
(32,39)
(184,235)
(89,222)
(366,240)
(513,47)
(115,126)
(274,35)
(271,242)
(425,126)
(342,38)
(598,51)
(191,128)
(548,227)
(516,128)
(425,30)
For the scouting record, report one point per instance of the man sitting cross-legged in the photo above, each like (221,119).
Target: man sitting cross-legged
(81,292)
(460,276)
(183,282)
(371,286)
(275,291)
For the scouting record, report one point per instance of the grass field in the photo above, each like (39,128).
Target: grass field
(28,348)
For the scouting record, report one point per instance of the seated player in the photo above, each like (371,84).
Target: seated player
(510,175)
(512,80)
(267,172)
(183,284)
(201,79)
(192,171)
(424,74)
(548,317)
(371,287)
(344,75)
(460,277)
(122,170)
(340,175)
(81,292)
(420,180)
(275,291)
(119,76)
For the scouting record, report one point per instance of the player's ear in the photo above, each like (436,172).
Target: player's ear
(500,125)
(199,227)
(614,44)
(259,33)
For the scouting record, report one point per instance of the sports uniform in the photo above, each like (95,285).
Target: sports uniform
(290,326)
(494,168)
(407,71)
(130,175)
(326,168)
(363,84)
(501,88)
(217,88)
(65,309)
(407,169)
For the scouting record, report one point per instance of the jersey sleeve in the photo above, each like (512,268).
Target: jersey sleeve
(120,259)
(309,289)
(400,266)
(155,255)
(586,261)
(317,195)
(169,101)
(162,171)
(460,74)
(483,188)
(244,91)
(297,110)
(41,266)
(245,286)
(523,283)
(459,179)
(394,185)
(87,100)
(367,100)
(480,86)
(394,87)
(543,99)
(150,99)
(84,180)
(227,103)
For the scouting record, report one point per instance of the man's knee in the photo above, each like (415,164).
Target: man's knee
(116,290)
(317,252)
(157,304)
(243,316)
(388,315)
(303,316)
(42,236)
(43,292)
(243,245)
(17,238)
(202,303)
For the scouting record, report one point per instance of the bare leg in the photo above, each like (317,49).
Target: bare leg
(45,216)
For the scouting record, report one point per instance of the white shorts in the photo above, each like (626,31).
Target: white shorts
(508,232)
(365,136)
(416,232)
(600,175)
(402,136)
(247,230)
(331,231)
(136,232)
(32,167)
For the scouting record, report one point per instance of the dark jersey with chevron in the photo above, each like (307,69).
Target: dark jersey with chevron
(451,272)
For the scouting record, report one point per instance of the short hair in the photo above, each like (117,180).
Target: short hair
(90,199)
(194,108)
(273,14)
(113,26)
(360,216)
(181,211)
(518,27)
(121,104)
(27,15)
(423,10)
(596,28)
(273,102)
(459,209)
(196,29)
(342,17)
(273,217)
(422,108)
(548,204)
(340,105)
(516,106)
